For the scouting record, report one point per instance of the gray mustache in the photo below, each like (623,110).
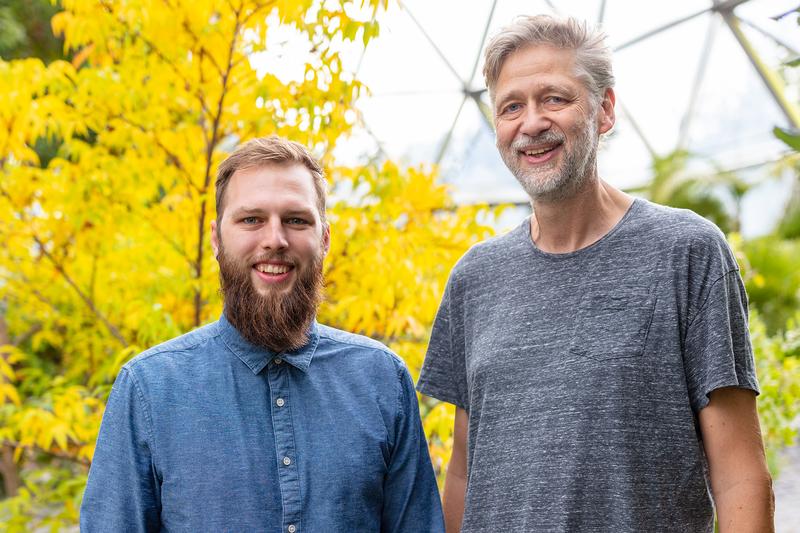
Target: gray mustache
(524,141)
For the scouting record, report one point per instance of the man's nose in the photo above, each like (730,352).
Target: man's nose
(273,235)
(534,121)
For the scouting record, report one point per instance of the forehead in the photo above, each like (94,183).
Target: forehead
(537,64)
(272,184)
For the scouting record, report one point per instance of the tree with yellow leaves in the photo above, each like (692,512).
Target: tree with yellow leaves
(105,246)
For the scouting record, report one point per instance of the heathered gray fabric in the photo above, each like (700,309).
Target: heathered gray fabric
(583,374)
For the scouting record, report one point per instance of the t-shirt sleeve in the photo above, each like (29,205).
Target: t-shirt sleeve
(443,374)
(717,348)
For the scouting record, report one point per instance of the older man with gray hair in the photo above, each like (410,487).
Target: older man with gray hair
(598,354)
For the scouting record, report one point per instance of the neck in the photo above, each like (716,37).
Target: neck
(569,224)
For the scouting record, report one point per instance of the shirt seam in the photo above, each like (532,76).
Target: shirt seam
(147,354)
(401,392)
(366,346)
(742,382)
(428,389)
(591,248)
(455,381)
(707,298)
(146,411)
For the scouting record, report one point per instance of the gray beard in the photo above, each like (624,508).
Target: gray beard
(278,322)
(562,182)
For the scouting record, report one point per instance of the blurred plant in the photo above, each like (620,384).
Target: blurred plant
(707,195)
(25,30)
(789,226)
(778,368)
(772,278)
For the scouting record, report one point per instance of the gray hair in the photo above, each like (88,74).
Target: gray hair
(272,150)
(592,55)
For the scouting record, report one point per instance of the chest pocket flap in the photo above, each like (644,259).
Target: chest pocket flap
(613,324)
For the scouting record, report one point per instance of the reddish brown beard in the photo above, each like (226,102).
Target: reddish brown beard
(276,321)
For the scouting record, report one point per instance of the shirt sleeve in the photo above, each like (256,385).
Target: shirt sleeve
(122,493)
(717,349)
(411,497)
(443,374)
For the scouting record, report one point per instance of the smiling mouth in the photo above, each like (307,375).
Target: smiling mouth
(271,273)
(540,151)
(267,268)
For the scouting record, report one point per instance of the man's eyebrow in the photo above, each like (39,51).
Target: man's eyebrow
(247,211)
(299,212)
(561,89)
(250,211)
(503,98)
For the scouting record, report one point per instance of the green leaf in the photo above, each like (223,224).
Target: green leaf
(793,62)
(790,137)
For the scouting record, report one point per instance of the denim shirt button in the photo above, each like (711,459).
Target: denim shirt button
(287,461)
(277,360)
(292,528)
(280,402)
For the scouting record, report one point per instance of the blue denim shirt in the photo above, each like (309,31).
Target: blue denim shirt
(207,432)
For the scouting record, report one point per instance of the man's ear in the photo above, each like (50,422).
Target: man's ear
(606,117)
(326,239)
(215,238)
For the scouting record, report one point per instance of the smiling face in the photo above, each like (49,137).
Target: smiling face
(547,125)
(271,226)
(270,242)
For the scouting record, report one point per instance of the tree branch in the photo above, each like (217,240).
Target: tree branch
(58,455)
(161,55)
(8,468)
(86,300)
(24,337)
(173,244)
(211,143)
(171,156)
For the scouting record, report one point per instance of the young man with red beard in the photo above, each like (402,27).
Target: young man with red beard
(264,420)
(598,354)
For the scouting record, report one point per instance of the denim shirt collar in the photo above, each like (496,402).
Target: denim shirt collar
(256,357)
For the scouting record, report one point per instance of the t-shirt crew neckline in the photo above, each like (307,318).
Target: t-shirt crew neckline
(586,249)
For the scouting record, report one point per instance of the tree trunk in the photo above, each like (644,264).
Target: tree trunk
(8,468)
(9,471)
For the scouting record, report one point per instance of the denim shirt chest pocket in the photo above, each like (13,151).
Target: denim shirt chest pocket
(613,324)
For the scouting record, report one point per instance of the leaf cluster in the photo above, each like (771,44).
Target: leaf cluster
(105,232)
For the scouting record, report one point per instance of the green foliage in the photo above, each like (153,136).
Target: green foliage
(25,30)
(778,368)
(12,34)
(790,137)
(789,226)
(772,277)
(706,195)
(50,499)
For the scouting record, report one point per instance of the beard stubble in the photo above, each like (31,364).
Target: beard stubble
(575,170)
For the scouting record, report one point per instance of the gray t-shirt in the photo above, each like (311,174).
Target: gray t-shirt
(583,373)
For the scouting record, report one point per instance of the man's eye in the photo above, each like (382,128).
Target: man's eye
(296,221)
(250,220)
(512,108)
(556,100)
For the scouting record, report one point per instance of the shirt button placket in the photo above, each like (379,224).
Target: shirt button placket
(279,376)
